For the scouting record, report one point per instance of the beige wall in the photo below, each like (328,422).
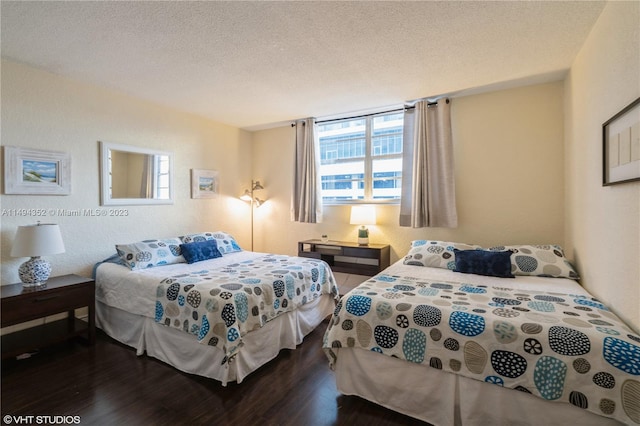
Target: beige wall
(603,223)
(514,182)
(44,111)
(509,177)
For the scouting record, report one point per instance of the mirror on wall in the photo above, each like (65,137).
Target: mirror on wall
(130,175)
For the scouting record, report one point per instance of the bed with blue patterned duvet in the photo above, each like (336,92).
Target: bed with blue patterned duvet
(221,316)
(522,347)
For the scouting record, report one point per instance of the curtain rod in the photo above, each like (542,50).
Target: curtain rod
(368,115)
(363,115)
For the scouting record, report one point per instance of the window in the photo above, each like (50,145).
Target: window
(361,159)
(161,176)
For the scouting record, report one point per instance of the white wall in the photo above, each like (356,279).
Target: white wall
(603,223)
(44,111)
(509,176)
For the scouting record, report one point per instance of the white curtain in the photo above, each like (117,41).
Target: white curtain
(306,199)
(428,187)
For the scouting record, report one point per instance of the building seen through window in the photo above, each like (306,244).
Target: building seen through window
(361,158)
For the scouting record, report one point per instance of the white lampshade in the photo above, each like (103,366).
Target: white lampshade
(363,215)
(37,240)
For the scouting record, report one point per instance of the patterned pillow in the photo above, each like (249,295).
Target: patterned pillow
(540,260)
(482,262)
(200,250)
(436,254)
(226,243)
(150,253)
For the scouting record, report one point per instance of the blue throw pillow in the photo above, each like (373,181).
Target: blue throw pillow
(482,262)
(199,251)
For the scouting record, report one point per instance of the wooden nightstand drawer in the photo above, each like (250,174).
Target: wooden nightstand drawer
(312,254)
(361,252)
(44,303)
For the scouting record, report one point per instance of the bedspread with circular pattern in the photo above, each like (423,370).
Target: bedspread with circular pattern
(560,347)
(221,306)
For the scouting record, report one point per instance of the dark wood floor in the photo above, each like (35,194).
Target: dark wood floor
(109,385)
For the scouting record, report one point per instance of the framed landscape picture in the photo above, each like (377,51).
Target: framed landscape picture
(621,146)
(204,183)
(36,172)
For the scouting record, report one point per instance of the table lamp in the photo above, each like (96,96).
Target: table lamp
(35,241)
(363,215)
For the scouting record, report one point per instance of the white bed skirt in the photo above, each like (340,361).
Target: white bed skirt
(445,399)
(182,351)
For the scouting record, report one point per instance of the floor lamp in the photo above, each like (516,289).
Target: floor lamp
(248,196)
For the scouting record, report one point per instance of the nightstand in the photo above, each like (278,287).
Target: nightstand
(350,258)
(60,294)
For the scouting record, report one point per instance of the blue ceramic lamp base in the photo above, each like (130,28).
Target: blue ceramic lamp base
(34,272)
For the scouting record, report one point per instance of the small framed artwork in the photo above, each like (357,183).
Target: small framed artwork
(621,146)
(36,172)
(204,183)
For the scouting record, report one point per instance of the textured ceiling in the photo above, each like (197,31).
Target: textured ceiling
(251,64)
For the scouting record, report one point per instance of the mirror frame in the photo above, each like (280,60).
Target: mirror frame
(105,198)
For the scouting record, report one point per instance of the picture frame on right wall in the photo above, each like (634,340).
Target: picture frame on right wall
(621,146)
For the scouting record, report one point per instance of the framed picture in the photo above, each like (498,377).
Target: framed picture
(621,146)
(36,172)
(204,183)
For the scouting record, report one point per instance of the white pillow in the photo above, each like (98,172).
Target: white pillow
(150,253)
(539,260)
(226,243)
(436,254)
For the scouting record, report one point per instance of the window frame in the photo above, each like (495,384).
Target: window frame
(158,174)
(368,162)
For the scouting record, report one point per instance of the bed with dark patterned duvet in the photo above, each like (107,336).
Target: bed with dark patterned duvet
(541,336)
